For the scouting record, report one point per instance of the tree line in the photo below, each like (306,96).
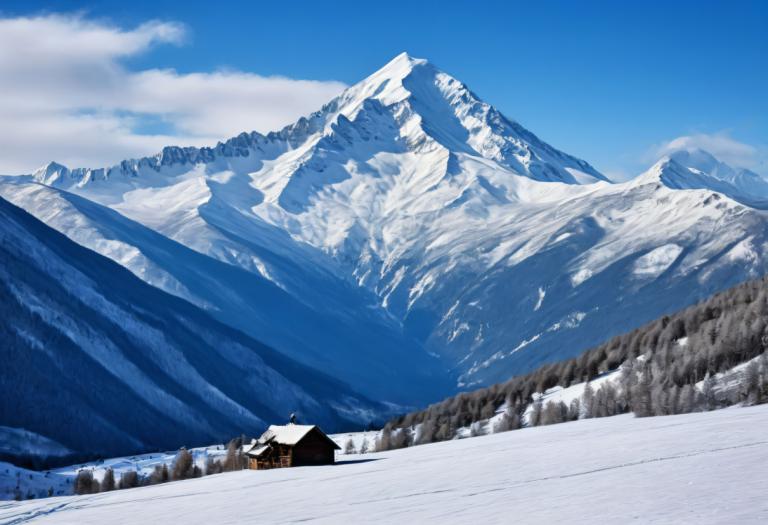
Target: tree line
(667,366)
(182,467)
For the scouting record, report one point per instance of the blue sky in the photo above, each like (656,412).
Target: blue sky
(611,82)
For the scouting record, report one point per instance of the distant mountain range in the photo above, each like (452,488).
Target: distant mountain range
(409,240)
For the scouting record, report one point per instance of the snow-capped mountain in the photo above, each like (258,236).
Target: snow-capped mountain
(410,203)
(102,363)
(697,169)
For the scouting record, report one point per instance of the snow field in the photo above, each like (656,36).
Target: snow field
(693,468)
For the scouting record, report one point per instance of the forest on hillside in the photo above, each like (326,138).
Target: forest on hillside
(667,367)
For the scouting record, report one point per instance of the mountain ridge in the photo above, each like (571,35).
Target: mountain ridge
(390,85)
(490,249)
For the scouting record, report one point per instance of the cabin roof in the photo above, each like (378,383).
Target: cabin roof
(256,450)
(284,435)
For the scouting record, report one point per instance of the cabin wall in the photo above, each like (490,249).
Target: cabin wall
(278,456)
(314,449)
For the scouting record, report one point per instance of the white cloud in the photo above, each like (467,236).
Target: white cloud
(67,95)
(721,145)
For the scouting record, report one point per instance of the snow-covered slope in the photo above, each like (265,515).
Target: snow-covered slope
(17,482)
(97,362)
(327,323)
(13,440)
(408,203)
(695,468)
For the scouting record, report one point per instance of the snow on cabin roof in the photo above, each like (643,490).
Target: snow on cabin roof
(286,434)
(256,450)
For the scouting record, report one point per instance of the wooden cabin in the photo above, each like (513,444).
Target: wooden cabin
(291,446)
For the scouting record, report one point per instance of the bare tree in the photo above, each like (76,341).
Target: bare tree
(183,465)
(708,393)
(536,410)
(750,384)
(554,412)
(641,397)
(235,459)
(509,421)
(587,401)
(108,482)
(85,484)
(212,466)
(129,480)
(574,409)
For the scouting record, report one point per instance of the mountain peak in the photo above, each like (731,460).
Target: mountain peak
(387,83)
(400,66)
(432,107)
(51,166)
(410,100)
(697,169)
(697,159)
(50,173)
